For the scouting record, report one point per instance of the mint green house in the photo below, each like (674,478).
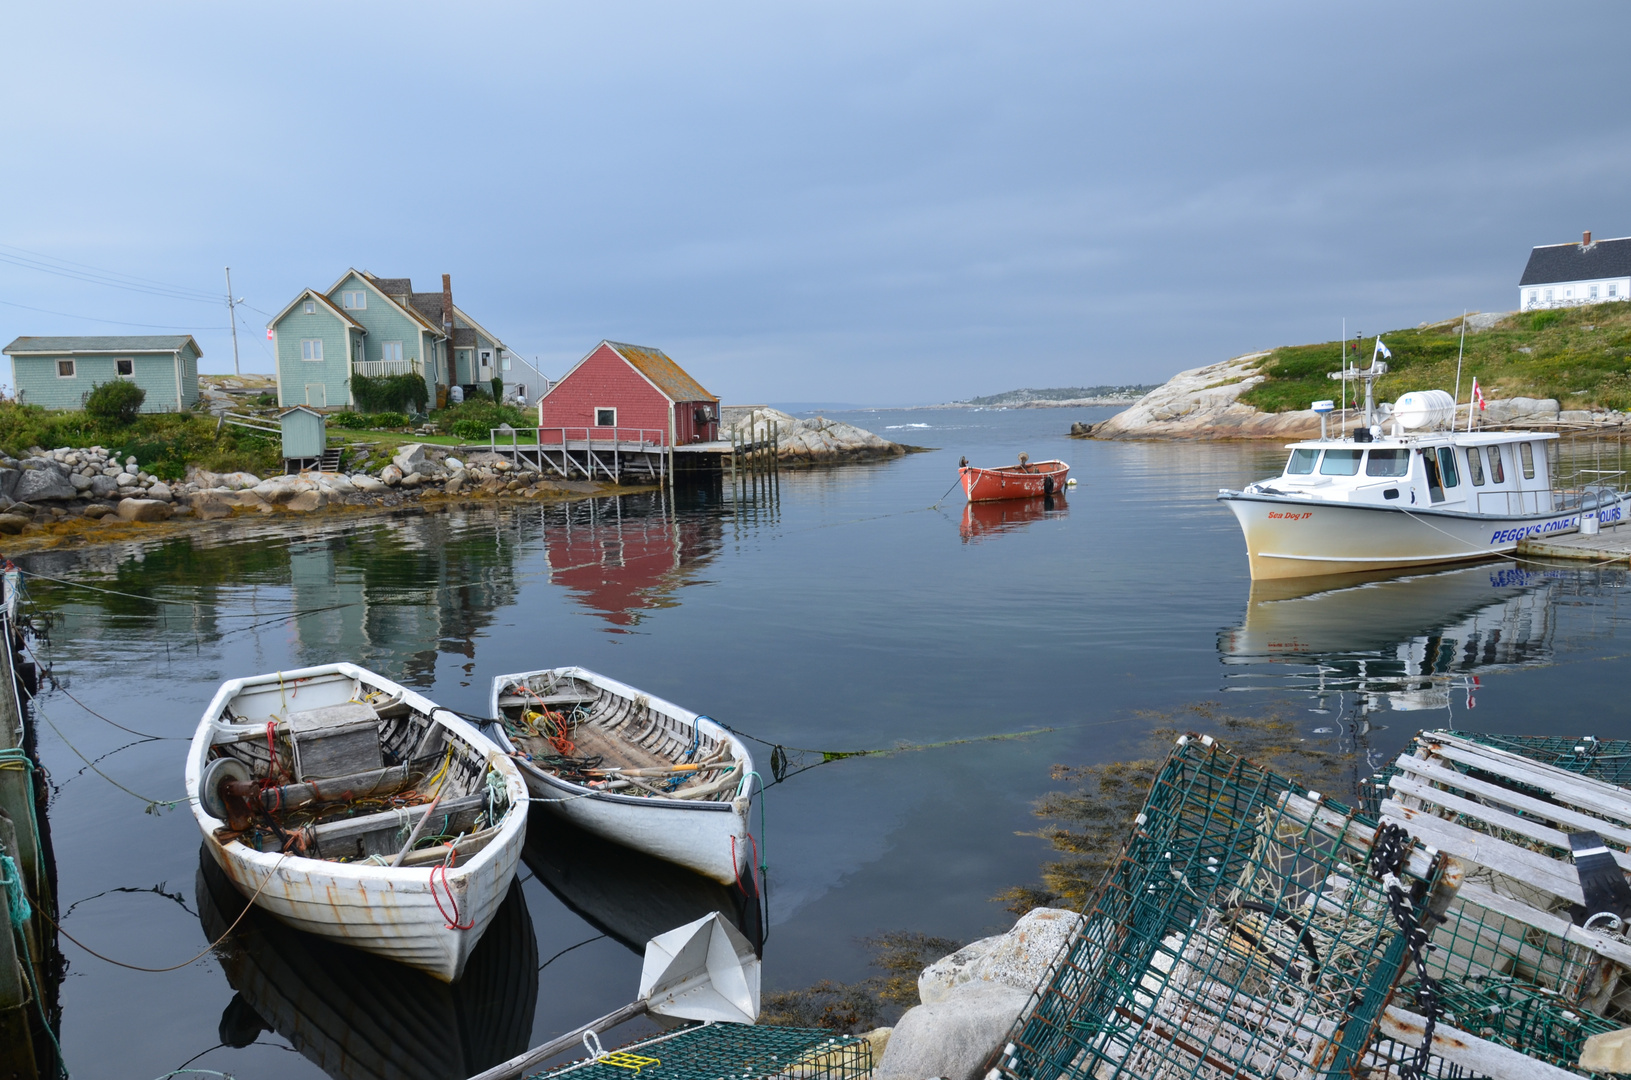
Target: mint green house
(368,325)
(61,372)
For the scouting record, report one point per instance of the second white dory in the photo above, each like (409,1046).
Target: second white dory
(629,767)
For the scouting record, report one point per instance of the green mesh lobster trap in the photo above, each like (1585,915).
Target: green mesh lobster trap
(729,1052)
(1241,934)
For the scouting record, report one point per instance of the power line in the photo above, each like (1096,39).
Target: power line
(113,322)
(43,261)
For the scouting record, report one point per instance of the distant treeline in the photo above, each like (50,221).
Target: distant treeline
(1059,393)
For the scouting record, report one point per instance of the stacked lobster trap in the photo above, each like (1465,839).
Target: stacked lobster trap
(1253,928)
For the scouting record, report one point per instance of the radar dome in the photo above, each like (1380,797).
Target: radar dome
(1421,409)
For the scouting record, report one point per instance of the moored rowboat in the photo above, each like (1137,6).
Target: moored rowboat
(629,767)
(1023,481)
(360,811)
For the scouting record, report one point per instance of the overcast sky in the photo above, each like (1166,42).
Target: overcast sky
(880,203)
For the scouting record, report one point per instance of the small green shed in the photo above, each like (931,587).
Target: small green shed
(305,435)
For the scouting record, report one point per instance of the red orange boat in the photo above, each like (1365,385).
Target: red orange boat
(1022,481)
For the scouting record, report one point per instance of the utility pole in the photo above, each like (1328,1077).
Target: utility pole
(232,317)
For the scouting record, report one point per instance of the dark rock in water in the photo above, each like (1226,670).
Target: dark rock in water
(1080,430)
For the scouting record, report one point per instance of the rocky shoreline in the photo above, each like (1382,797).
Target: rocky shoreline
(1203,403)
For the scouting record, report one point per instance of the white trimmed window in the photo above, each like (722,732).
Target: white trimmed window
(310,307)
(1594,292)
(65,369)
(1614,288)
(605,417)
(1548,296)
(311,349)
(125,369)
(390,350)
(355,301)
(1533,295)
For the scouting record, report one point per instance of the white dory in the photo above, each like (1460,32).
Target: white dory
(629,767)
(315,789)
(1415,496)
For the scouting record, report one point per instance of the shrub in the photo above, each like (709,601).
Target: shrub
(389,420)
(498,388)
(1540,320)
(390,393)
(117,402)
(351,421)
(470,429)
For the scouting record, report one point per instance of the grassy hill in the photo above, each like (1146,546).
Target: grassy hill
(1580,356)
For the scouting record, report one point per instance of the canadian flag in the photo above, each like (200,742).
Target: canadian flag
(1478,395)
(268,333)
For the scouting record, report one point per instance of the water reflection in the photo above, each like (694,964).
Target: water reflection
(361,1017)
(627,895)
(983,519)
(1401,644)
(624,556)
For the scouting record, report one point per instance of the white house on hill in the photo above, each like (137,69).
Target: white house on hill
(1563,275)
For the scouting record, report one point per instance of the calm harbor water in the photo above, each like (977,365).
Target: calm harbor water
(847,609)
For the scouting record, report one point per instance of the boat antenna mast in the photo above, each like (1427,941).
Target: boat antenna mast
(1367,376)
(1460,352)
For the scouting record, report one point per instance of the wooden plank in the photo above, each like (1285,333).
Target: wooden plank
(1574,789)
(1556,877)
(1361,836)
(1498,818)
(1479,1056)
(1548,923)
(358,826)
(1516,800)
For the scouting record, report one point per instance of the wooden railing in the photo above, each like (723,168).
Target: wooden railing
(608,437)
(373,369)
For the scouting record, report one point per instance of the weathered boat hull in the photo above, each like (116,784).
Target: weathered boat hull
(390,911)
(362,1017)
(1288,537)
(710,838)
(1014,481)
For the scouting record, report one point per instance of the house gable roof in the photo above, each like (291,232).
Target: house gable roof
(459,314)
(166,343)
(1578,262)
(313,294)
(378,287)
(663,373)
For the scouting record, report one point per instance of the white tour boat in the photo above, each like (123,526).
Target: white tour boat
(630,768)
(1419,494)
(355,809)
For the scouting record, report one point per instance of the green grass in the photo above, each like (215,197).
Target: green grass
(163,443)
(1580,356)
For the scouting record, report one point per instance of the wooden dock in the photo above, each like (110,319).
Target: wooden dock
(1610,545)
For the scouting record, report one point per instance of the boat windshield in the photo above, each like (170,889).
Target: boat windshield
(1387,463)
(1475,466)
(1527,452)
(1302,462)
(1497,472)
(1341,462)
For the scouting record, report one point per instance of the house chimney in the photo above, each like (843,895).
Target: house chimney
(447,304)
(1585,241)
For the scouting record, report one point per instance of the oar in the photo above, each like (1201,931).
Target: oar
(413,837)
(705,970)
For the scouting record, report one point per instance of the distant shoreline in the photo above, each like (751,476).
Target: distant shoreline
(1071,404)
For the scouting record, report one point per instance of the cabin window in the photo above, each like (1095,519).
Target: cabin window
(65,369)
(1475,467)
(311,349)
(1302,462)
(1340,462)
(357,301)
(310,307)
(1435,489)
(125,369)
(1497,471)
(1388,463)
(1446,467)
(390,350)
(605,417)
(1526,453)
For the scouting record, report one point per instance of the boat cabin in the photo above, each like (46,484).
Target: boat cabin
(1497,472)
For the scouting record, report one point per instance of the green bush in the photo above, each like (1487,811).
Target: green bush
(470,429)
(1540,320)
(390,420)
(476,417)
(390,393)
(498,388)
(351,421)
(117,402)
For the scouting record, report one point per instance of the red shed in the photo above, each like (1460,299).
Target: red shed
(629,393)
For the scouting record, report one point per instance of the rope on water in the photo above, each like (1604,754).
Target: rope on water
(177,967)
(153,805)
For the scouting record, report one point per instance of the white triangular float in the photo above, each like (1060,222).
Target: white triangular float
(705,970)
